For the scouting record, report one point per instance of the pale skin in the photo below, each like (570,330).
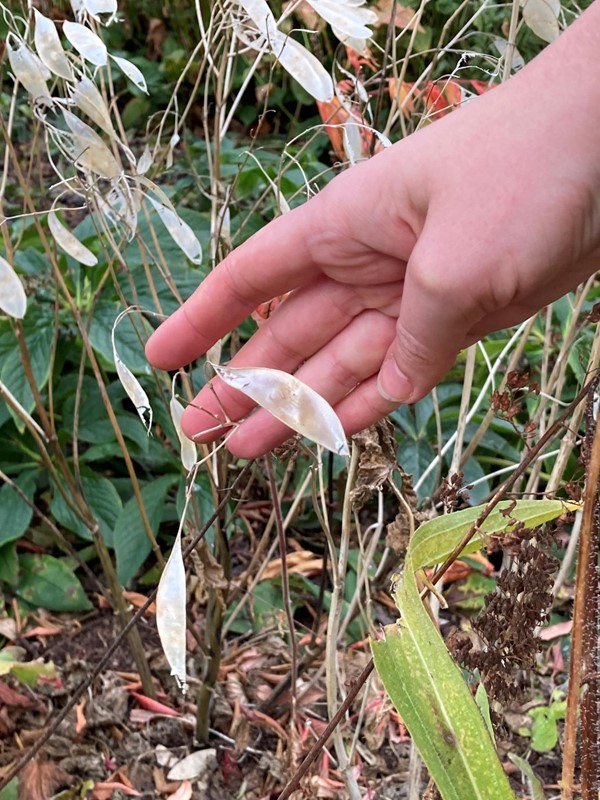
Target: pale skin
(468,226)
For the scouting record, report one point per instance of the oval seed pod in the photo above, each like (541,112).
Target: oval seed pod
(170,613)
(135,391)
(260,14)
(68,242)
(86,97)
(145,162)
(302,65)
(96,7)
(49,48)
(13,300)
(129,382)
(78,9)
(87,44)
(348,20)
(27,68)
(180,231)
(291,402)
(88,150)
(352,141)
(188,452)
(542,17)
(134,74)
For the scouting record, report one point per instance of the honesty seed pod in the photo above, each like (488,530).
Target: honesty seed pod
(49,48)
(13,300)
(170,612)
(27,68)
(68,242)
(291,402)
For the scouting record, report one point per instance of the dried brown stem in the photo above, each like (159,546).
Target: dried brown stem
(584,644)
(285,587)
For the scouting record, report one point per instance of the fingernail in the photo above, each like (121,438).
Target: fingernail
(392,384)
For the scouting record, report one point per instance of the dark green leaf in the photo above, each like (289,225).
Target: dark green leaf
(37,328)
(103,501)
(129,346)
(46,582)
(9,563)
(130,541)
(15,513)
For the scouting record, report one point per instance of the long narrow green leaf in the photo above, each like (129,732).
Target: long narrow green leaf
(424,683)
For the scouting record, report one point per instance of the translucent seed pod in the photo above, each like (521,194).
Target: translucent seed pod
(13,300)
(49,48)
(68,242)
(291,402)
(27,68)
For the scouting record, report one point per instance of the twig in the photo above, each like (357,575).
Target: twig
(314,751)
(391,31)
(287,600)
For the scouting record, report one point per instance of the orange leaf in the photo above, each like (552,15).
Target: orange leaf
(262,312)
(153,705)
(80,720)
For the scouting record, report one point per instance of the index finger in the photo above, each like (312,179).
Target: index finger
(275,260)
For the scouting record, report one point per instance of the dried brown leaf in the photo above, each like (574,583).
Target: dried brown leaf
(376,462)
(39,780)
(10,697)
(404,18)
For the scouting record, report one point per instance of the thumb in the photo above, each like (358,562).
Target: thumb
(433,324)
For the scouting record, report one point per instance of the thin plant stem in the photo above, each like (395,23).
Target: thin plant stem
(339,564)
(287,599)
(320,743)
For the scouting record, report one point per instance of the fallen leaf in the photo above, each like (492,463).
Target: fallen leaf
(556,630)
(136,599)
(183,793)
(193,766)
(155,706)
(10,697)
(41,630)
(80,720)
(39,780)
(302,562)
(404,17)
(8,628)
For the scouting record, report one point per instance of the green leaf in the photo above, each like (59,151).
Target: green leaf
(46,582)
(9,564)
(102,499)
(11,791)
(130,541)
(25,671)
(129,347)
(483,704)
(424,683)
(544,730)
(15,514)
(415,455)
(37,330)
(535,786)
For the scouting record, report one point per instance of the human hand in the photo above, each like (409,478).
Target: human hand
(468,226)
